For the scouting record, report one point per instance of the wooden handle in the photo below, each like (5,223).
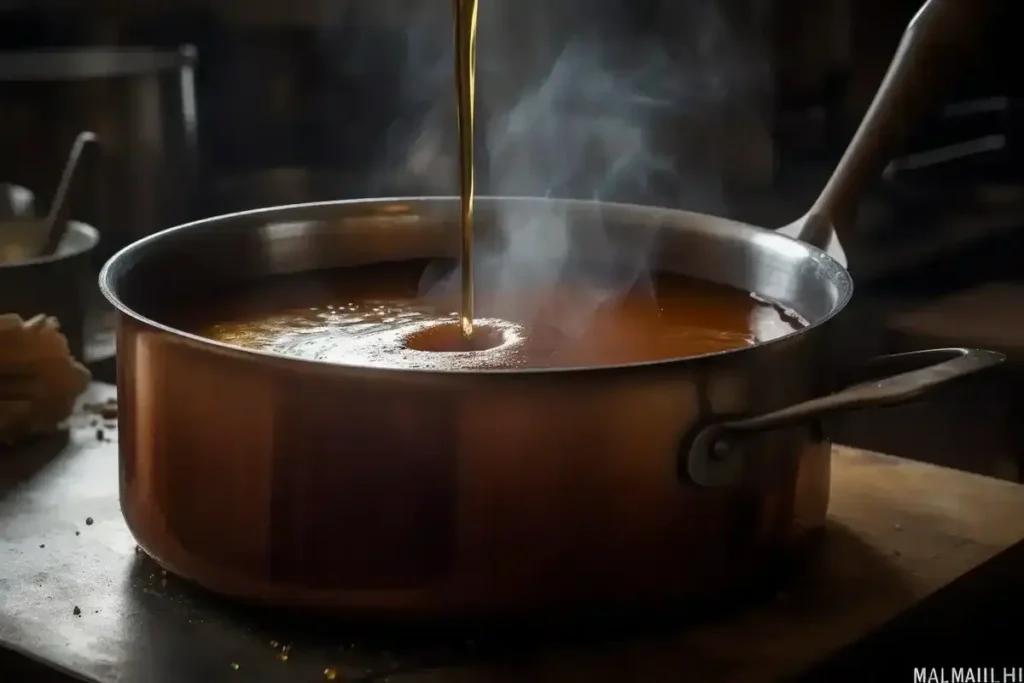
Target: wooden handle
(929,55)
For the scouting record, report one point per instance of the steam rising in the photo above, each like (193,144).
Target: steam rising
(573,101)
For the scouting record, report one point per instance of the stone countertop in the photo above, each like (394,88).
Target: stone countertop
(77,596)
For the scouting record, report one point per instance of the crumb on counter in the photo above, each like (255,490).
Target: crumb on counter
(106,410)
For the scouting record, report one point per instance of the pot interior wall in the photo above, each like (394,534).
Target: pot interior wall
(199,258)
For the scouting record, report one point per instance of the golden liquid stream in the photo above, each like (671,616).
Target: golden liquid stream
(465,15)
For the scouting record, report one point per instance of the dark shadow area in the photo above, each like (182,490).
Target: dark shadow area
(22,461)
(16,665)
(973,622)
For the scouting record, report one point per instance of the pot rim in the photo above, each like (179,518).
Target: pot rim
(107,289)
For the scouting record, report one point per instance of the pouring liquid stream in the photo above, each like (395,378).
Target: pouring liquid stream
(465,23)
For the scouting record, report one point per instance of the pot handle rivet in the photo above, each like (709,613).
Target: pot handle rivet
(713,459)
(720,449)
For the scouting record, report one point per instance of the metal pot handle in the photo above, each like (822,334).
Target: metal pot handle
(928,54)
(713,456)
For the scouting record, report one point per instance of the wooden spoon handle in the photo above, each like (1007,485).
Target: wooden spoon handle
(929,55)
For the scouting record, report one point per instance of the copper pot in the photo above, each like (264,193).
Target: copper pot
(363,490)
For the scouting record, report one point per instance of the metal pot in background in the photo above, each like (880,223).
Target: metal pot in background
(140,103)
(35,281)
(276,186)
(286,185)
(61,285)
(255,93)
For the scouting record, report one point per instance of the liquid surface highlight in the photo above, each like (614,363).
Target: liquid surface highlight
(366,316)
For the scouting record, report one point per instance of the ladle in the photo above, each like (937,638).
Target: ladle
(56,220)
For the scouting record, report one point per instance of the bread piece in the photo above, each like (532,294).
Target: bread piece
(39,379)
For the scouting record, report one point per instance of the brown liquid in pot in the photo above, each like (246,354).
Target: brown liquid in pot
(374,316)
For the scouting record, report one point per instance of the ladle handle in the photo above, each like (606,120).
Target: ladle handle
(61,206)
(928,54)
